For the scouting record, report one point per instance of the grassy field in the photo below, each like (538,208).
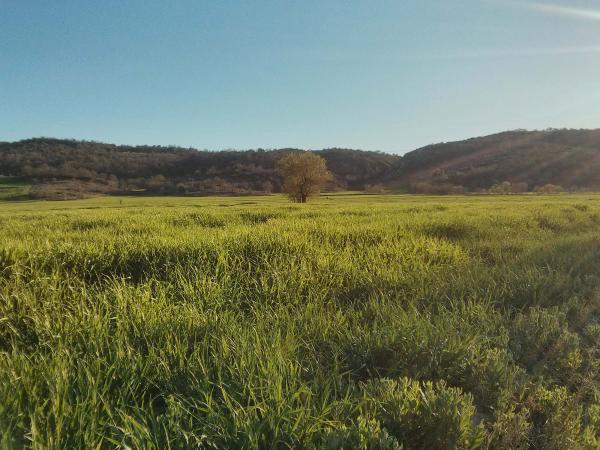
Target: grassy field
(13,188)
(355,321)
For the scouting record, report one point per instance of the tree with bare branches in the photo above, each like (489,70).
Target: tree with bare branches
(304,174)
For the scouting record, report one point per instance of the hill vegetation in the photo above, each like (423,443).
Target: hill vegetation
(73,168)
(527,160)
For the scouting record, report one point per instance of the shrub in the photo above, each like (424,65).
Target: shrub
(556,419)
(363,434)
(424,415)
(542,342)
(511,430)
(437,188)
(374,188)
(549,189)
(506,187)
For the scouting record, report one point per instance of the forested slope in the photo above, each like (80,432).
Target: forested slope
(526,159)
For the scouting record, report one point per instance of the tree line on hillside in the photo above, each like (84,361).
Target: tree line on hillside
(509,162)
(529,160)
(106,168)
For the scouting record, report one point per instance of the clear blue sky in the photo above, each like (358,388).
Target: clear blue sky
(378,75)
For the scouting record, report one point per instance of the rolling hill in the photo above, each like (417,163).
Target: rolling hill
(61,168)
(67,168)
(569,158)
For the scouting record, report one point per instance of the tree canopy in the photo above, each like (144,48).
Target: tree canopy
(304,174)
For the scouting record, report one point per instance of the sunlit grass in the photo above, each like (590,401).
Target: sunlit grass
(355,321)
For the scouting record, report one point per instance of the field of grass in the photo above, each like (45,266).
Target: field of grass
(13,188)
(355,321)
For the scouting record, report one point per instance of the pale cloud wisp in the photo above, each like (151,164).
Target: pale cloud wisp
(560,10)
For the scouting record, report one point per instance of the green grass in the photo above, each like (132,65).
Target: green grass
(355,321)
(13,188)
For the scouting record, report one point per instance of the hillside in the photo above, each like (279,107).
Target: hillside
(569,158)
(68,168)
(527,159)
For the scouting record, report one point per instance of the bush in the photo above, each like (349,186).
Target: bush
(511,430)
(506,187)
(437,188)
(374,188)
(543,344)
(423,415)
(556,419)
(549,189)
(363,434)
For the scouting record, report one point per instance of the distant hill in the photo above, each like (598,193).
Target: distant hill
(62,168)
(569,158)
(67,168)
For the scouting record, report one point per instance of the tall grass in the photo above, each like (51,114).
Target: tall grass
(351,322)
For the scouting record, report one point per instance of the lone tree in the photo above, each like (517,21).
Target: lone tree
(304,174)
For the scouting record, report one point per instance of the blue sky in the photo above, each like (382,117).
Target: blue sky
(378,75)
